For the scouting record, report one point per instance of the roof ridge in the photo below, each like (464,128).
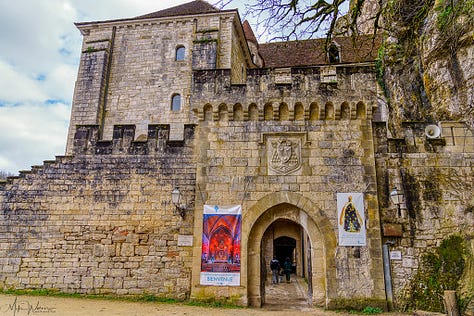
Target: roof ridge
(188,8)
(311,52)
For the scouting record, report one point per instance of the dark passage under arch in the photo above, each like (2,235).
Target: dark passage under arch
(284,247)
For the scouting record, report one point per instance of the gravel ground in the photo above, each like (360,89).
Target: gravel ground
(20,305)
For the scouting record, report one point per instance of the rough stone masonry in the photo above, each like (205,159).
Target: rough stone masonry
(145,121)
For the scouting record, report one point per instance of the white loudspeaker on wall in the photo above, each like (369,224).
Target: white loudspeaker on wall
(432,131)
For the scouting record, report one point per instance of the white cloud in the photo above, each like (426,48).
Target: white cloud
(31,130)
(17,87)
(60,82)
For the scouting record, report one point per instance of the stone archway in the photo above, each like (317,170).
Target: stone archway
(301,210)
(285,240)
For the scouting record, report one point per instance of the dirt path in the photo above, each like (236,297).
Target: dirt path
(14,305)
(282,299)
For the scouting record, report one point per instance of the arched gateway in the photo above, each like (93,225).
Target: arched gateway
(321,243)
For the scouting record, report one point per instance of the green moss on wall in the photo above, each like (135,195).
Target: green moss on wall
(440,269)
(432,191)
(357,304)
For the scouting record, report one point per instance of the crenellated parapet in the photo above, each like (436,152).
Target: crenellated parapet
(161,138)
(295,94)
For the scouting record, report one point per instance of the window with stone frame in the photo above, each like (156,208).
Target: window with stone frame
(180,53)
(334,54)
(176,102)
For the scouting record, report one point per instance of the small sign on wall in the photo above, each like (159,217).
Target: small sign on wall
(395,255)
(185,240)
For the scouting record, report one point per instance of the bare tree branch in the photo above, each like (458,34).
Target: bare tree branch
(297,19)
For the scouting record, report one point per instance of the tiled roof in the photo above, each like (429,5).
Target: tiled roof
(249,35)
(194,7)
(311,52)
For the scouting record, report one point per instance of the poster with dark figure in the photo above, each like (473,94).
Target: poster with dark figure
(351,219)
(221,236)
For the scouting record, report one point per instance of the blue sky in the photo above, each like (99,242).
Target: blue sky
(39,57)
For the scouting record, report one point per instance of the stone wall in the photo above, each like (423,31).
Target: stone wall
(436,179)
(100,219)
(329,126)
(100,223)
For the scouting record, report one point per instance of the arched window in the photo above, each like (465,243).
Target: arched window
(176,102)
(333,54)
(180,52)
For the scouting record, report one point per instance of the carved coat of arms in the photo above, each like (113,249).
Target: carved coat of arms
(285,155)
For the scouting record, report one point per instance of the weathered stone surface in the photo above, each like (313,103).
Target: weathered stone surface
(392,230)
(280,142)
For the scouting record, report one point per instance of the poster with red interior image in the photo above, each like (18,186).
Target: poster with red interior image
(221,237)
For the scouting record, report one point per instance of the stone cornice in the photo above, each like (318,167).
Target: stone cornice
(84,26)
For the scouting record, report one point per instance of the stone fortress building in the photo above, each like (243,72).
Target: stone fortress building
(186,98)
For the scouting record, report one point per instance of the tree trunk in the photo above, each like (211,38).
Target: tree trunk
(450,303)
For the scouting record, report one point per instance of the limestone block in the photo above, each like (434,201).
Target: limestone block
(409,262)
(117,273)
(141,250)
(98,250)
(143,284)
(87,282)
(98,282)
(129,283)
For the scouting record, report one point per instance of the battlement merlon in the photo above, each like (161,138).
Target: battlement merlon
(336,84)
(160,139)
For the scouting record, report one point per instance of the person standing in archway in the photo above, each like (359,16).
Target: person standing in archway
(275,267)
(287,266)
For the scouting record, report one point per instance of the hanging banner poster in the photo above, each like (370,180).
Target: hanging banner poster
(351,219)
(221,236)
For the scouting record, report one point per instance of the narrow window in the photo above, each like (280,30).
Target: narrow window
(176,102)
(333,53)
(180,52)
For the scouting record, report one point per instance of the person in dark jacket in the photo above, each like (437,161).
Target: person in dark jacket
(287,266)
(275,267)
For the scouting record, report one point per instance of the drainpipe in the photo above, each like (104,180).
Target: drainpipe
(387,275)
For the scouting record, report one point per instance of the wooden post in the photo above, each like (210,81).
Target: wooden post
(450,303)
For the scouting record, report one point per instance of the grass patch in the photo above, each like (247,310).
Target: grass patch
(369,310)
(213,303)
(110,297)
(357,305)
